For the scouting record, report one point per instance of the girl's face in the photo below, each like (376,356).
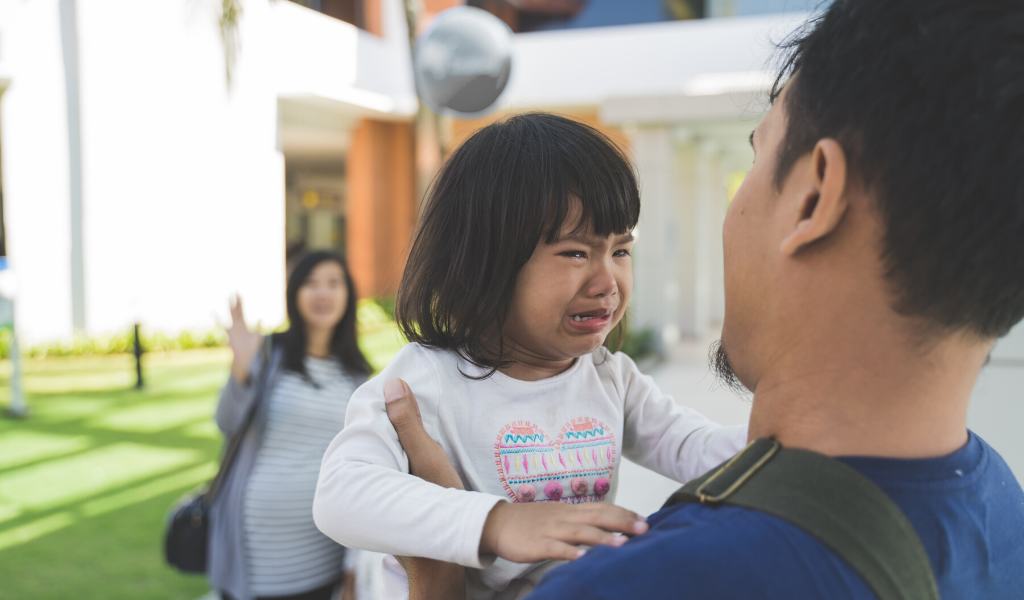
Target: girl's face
(569,296)
(323,297)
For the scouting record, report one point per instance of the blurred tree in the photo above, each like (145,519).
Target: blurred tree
(685,9)
(227,19)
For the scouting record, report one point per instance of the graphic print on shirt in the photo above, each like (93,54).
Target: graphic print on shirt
(576,467)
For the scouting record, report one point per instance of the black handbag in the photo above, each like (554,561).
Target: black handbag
(188,521)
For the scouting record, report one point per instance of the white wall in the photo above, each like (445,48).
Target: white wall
(586,67)
(183,184)
(34,141)
(182,178)
(997,406)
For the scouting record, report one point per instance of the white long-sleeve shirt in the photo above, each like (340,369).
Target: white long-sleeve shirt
(557,439)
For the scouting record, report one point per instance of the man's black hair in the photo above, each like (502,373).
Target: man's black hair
(511,185)
(926,97)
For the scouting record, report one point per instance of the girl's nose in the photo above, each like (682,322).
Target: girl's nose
(602,283)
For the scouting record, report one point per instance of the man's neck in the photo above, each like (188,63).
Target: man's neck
(871,399)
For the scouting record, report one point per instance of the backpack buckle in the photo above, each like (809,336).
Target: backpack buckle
(737,471)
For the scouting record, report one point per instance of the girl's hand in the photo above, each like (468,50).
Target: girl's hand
(244,344)
(535,531)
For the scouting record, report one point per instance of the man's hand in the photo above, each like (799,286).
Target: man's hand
(348,587)
(428,579)
(427,459)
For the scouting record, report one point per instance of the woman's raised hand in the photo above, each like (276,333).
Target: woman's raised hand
(245,344)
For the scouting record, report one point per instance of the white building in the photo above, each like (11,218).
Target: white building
(137,186)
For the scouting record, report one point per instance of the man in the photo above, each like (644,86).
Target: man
(873,255)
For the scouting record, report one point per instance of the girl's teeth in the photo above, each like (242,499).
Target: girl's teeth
(580,319)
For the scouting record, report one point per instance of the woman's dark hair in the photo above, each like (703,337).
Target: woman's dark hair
(510,185)
(926,97)
(344,346)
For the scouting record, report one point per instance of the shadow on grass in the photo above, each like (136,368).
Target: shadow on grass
(86,481)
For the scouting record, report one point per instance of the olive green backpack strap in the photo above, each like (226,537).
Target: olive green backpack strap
(841,508)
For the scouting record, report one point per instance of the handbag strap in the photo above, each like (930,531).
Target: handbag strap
(836,504)
(235,441)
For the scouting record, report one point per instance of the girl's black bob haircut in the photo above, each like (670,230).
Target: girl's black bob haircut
(511,185)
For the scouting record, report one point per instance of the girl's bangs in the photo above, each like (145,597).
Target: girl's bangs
(597,187)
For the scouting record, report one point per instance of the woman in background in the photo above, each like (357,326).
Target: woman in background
(263,543)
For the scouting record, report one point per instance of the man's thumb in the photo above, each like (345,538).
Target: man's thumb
(402,409)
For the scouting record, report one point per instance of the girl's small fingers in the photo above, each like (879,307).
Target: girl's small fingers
(559,550)
(578,533)
(612,518)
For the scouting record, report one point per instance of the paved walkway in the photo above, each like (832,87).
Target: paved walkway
(996,412)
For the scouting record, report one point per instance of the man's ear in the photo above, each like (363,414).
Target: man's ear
(824,202)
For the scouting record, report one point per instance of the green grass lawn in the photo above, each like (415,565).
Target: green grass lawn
(86,480)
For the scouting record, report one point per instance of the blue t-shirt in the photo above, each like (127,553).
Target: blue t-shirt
(967,508)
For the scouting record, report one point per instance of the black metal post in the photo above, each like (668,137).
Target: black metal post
(138,359)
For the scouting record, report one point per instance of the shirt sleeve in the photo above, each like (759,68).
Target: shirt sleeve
(366,498)
(236,399)
(670,439)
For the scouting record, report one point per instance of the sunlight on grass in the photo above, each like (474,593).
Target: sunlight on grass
(203,429)
(34,529)
(86,481)
(155,416)
(9,511)
(63,481)
(70,408)
(22,447)
(149,490)
(194,383)
(50,383)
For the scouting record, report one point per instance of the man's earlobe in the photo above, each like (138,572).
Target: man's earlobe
(824,204)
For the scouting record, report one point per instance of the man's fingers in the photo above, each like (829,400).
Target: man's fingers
(427,459)
(404,412)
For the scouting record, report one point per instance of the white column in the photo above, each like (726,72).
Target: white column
(700,197)
(713,193)
(678,263)
(655,287)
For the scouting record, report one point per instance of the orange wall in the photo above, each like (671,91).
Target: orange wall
(463,128)
(381,204)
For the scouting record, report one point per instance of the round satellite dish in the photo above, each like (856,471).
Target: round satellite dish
(463,62)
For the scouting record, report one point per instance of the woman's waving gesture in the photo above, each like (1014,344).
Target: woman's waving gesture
(245,344)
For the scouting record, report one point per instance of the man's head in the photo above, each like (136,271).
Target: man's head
(886,190)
